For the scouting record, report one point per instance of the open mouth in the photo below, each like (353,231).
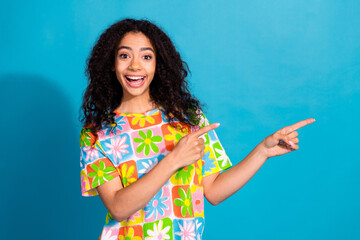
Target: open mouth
(135,81)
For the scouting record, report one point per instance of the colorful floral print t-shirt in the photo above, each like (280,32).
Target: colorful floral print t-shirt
(129,149)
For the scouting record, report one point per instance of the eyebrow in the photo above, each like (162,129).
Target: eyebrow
(141,49)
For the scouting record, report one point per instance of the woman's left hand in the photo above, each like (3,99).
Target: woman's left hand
(284,140)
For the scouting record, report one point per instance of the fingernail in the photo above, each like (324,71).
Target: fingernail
(217,124)
(291,143)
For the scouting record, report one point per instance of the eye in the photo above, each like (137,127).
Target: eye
(147,57)
(123,55)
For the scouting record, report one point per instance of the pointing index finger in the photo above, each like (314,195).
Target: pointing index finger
(204,130)
(299,124)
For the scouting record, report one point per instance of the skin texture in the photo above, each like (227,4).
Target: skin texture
(169,86)
(218,187)
(135,56)
(123,202)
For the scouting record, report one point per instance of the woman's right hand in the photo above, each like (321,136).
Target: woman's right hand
(190,148)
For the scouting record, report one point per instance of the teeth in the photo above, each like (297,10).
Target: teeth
(134,78)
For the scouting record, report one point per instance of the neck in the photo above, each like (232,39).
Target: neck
(135,105)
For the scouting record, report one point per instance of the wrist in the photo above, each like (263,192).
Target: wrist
(171,162)
(262,150)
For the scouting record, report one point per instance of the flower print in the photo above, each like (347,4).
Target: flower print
(90,153)
(129,235)
(209,163)
(85,137)
(116,126)
(198,201)
(156,205)
(148,165)
(222,156)
(176,133)
(147,141)
(202,121)
(117,147)
(195,128)
(198,172)
(135,215)
(108,218)
(187,231)
(100,173)
(199,233)
(126,174)
(84,183)
(141,119)
(184,174)
(212,135)
(184,202)
(108,235)
(158,233)
(110,128)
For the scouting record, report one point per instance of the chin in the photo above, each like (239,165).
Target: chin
(132,93)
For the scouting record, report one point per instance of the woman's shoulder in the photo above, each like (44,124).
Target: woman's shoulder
(87,136)
(197,116)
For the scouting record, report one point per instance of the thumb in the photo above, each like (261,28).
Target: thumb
(270,141)
(275,139)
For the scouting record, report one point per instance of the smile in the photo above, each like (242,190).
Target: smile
(135,81)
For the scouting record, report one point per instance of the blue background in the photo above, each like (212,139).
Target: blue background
(257,65)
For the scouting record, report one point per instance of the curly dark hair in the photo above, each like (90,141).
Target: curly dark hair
(168,88)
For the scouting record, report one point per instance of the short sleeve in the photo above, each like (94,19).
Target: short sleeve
(95,167)
(215,158)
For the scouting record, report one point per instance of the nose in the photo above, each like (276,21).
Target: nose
(135,64)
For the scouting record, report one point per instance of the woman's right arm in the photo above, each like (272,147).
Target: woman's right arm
(123,202)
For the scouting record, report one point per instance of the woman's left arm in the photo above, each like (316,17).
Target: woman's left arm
(218,187)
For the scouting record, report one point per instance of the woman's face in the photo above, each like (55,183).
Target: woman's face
(135,63)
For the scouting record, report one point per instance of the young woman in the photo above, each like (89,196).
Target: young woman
(147,149)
